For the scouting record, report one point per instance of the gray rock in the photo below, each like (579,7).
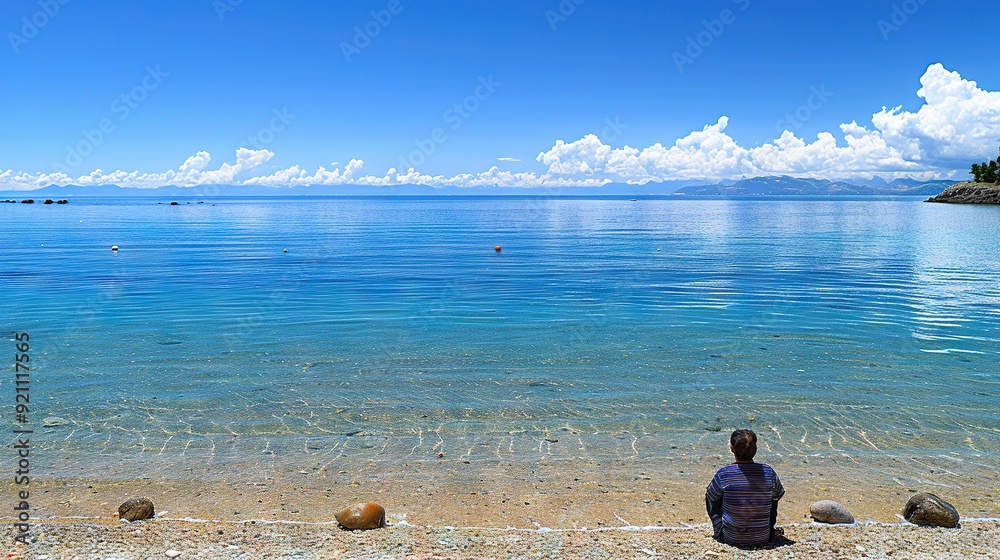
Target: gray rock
(136,509)
(929,510)
(54,421)
(829,511)
(969,192)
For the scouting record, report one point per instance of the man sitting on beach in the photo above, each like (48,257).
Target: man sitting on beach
(742,499)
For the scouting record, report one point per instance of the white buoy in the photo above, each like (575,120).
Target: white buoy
(114,248)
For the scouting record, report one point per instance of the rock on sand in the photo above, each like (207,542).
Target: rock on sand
(829,511)
(928,509)
(136,509)
(362,516)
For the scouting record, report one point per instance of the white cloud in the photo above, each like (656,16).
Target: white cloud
(197,162)
(709,151)
(190,173)
(958,123)
(193,173)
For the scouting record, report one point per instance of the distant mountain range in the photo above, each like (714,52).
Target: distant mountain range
(790,186)
(758,186)
(214,191)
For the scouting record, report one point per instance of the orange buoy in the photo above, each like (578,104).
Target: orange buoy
(498,248)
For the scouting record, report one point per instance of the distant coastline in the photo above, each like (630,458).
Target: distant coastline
(969,192)
(757,186)
(792,186)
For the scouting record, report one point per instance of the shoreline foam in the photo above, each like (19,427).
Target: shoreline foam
(556,494)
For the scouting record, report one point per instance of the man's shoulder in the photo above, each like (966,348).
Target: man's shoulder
(742,468)
(728,473)
(728,468)
(768,468)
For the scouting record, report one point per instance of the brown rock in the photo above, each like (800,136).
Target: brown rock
(928,509)
(362,516)
(136,509)
(829,511)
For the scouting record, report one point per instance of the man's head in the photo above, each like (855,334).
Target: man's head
(743,444)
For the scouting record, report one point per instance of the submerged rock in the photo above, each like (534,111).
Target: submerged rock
(928,509)
(829,511)
(53,421)
(136,509)
(362,516)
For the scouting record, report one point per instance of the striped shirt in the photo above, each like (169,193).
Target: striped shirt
(747,491)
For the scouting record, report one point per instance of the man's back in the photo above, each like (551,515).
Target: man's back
(748,492)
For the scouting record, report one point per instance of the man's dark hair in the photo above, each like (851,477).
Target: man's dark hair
(744,443)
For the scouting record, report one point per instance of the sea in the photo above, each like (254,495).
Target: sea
(231,333)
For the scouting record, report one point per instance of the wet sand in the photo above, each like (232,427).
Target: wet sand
(513,504)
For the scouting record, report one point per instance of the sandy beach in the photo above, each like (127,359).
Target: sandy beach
(245,540)
(636,508)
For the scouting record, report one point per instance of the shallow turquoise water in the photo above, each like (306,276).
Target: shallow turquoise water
(392,327)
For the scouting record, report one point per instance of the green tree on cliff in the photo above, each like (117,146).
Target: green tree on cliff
(987,172)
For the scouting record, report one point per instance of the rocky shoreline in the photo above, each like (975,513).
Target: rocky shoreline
(176,538)
(574,513)
(969,192)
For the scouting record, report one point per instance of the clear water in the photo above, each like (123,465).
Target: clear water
(391,327)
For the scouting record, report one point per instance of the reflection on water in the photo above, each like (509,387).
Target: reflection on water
(605,328)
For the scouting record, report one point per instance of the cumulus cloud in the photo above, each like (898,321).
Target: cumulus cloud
(197,162)
(192,172)
(697,155)
(957,123)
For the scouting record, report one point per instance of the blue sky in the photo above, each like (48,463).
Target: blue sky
(164,92)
